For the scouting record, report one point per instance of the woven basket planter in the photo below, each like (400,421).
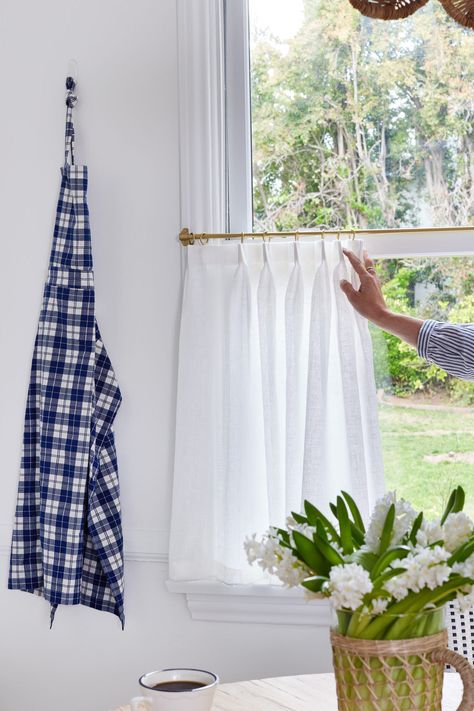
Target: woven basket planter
(401,675)
(460,10)
(388,9)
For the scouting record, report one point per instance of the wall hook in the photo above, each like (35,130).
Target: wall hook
(71,82)
(73,70)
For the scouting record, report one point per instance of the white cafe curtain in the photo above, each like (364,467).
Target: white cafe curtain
(276,398)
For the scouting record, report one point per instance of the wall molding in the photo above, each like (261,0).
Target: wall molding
(141,545)
(213,601)
(259,604)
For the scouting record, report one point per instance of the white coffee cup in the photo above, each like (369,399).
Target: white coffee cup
(153,699)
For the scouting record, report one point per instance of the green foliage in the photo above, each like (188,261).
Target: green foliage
(363,123)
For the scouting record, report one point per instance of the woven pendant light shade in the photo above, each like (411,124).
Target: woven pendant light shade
(460,10)
(391,9)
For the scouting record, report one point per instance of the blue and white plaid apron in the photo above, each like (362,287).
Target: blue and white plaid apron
(67,540)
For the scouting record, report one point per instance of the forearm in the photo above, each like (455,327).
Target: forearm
(448,345)
(405,327)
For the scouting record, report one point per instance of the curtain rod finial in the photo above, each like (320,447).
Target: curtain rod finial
(186,237)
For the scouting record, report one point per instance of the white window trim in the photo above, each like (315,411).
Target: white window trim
(201,96)
(445,242)
(264,604)
(215,184)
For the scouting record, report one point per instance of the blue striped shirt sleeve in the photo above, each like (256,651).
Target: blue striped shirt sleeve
(449,345)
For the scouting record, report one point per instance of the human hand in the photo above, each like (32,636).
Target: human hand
(368,300)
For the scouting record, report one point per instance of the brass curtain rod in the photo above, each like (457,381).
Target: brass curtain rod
(187,238)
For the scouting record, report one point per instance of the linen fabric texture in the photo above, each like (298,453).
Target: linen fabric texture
(276,399)
(67,540)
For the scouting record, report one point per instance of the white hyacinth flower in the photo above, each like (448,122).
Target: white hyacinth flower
(275,559)
(404,518)
(290,570)
(379,605)
(465,568)
(424,568)
(264,552)
(457,529)
(348,584)
(465,600)
(252,548)
(269,555)
(430,532)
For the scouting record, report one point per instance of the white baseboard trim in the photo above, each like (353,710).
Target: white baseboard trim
(263,604)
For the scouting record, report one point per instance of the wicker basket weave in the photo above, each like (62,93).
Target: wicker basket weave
(460,10)
(388,9)
(401,675)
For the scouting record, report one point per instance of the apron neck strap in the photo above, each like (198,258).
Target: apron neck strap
(71,100)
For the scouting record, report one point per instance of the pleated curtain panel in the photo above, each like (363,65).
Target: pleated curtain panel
(276,398)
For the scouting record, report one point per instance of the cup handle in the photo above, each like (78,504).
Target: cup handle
(465,671)
(140,703)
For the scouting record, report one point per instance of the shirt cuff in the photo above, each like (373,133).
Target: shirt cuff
(424,337)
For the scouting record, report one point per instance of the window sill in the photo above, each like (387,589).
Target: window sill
(264,604)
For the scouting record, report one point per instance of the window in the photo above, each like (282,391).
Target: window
(368,124)
(360,123)
(399,155)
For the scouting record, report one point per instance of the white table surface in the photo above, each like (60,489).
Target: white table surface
(312,692)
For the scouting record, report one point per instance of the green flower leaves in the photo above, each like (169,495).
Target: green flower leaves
(385,579)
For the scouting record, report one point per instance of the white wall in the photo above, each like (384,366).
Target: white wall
(127,131)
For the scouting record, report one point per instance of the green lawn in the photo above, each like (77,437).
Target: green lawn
(408,435)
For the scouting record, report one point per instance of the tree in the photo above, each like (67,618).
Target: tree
(363,123)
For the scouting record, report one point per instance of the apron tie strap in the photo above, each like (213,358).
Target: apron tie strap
(71,100)
(52,613)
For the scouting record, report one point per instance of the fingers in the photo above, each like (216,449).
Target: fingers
(369,264)
(349,291)
(356,263)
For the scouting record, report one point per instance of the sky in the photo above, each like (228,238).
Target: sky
(282,17)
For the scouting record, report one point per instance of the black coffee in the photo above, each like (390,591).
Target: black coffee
(178,686)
